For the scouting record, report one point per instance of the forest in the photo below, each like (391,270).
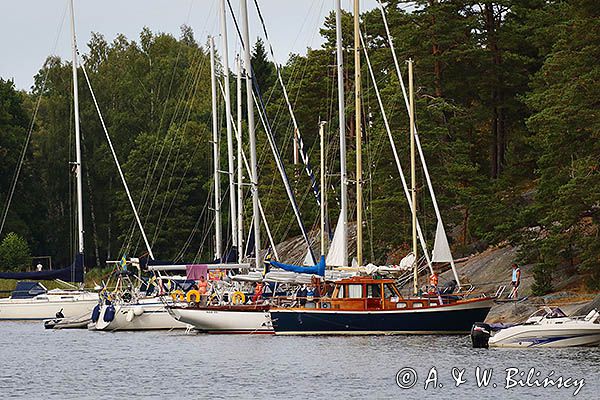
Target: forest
(507,108)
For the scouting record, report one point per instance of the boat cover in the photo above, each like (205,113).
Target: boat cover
(73,273)
(318,269)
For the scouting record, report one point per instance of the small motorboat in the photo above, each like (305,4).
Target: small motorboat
(547,327)
(62,322)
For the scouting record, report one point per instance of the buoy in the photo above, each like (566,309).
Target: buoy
(194,293)
(238,298)
(178,295)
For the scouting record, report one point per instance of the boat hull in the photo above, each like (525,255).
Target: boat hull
(448,319)
(547,336)
(41,307)
(137,317)
(225,321)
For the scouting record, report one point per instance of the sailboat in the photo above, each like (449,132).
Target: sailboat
(30,300)
(373,305)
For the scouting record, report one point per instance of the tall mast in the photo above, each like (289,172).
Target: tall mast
(413,179)
(230,172)
(77,137)
(240,172)
(323,191)
(251,132)
(357,95)
(215,131)
(342,123)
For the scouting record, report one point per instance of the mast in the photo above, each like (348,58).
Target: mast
(215,131)
(240,172)
(251,132)
(230,172)
(413,179)
(342,123)
(323,191)
(357,95)
(77,137)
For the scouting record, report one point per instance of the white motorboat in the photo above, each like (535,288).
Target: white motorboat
(145,314)
(32,301)
(248,319)
(547,327)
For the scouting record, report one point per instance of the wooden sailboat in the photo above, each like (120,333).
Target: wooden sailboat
(367,305)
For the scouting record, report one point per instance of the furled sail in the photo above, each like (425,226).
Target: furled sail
(335,256)
(441,249)
(318,269)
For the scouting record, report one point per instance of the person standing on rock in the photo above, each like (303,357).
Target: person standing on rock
(515,282)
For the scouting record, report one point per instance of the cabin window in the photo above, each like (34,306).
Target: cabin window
(374,291)
(340,292)
(388,291)
(417,304)
(401,304)
(354,291)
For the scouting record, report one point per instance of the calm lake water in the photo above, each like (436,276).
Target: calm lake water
(78,364)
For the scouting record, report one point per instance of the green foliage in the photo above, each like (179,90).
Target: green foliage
(507,112)
(14,253)
(542,275)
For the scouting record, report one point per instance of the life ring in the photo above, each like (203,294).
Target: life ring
(238,298)
(194,293)
(178,295)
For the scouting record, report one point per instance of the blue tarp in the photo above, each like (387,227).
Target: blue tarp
(318,269)
(74,273)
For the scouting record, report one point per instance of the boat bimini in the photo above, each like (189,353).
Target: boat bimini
(547,327)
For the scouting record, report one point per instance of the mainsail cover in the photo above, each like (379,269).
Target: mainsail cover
(73,273)
(335,256)
(318,269)
(441,249)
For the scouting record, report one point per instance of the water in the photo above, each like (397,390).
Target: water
(78,364)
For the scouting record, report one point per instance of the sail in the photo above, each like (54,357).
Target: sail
(408,261)
(318,269)
(73,273)
(335,256)
(441,249)
(308,260)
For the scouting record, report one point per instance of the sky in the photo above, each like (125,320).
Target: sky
(31,30)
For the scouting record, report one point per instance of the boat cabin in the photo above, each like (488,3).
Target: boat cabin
(367,293)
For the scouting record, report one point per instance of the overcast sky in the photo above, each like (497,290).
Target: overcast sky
(33,29)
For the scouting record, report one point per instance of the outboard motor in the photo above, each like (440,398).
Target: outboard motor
(96,313)
(480,335)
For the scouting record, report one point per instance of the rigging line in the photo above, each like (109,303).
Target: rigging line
(166,102)
(396,157)
(417,140)
(112,149)
(178,134)
(247,194)
(31,126)
(270,138)
(303,154)
(149,176)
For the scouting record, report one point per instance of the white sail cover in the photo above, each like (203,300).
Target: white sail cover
(441,249)
(335,256)
(308,260)
(408,261)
